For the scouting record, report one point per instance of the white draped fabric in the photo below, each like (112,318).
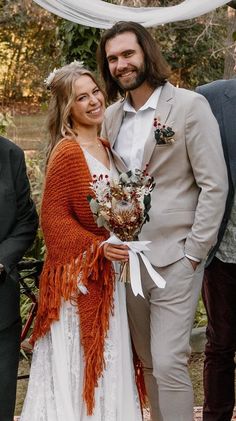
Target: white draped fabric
(99,14)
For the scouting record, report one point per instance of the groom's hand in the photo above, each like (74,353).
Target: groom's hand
(193,263)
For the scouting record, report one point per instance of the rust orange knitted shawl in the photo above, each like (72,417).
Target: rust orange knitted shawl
(72,241)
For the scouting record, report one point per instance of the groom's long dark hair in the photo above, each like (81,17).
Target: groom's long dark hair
(157,69)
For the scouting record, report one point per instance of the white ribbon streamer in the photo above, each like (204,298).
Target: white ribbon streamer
(136,248)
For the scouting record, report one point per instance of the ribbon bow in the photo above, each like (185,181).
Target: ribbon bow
(136,248)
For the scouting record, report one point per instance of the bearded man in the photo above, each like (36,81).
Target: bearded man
(174,132)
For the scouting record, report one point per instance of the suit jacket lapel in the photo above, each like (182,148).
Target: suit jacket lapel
(230,130)
(116,123)
(119,163)
(162,112)
(118,118)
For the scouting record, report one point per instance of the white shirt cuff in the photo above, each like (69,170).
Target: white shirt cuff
(195,259)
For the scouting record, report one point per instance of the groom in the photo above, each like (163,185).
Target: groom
(187,203)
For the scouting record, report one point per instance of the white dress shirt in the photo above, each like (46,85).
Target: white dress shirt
(135,129)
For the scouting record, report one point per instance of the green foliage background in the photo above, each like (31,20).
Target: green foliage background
(33,42)
(195,49)
(78,42)
(28,48)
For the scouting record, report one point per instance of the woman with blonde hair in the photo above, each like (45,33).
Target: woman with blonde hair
(82,362)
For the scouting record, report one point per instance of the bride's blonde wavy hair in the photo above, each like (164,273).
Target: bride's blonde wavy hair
(61,83)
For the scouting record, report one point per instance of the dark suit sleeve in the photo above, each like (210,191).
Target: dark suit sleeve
(23,230)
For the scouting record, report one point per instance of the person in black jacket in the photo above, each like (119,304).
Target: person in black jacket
(18,225)
(219,286)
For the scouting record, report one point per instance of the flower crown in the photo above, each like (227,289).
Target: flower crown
(50,78)
(48,81)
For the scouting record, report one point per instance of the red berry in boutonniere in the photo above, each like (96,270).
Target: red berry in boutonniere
(163,134)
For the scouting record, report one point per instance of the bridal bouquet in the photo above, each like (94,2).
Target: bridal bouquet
(121,205)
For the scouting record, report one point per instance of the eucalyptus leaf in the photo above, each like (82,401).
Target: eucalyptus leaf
(94,206)
(101,222)
(147,199)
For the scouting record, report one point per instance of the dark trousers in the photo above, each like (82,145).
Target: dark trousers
(9,358)
(219,296)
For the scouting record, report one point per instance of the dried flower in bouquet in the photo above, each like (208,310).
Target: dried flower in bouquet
(121,205)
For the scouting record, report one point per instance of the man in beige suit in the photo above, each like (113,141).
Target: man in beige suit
(174,132)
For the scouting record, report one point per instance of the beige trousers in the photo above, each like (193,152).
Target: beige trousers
(160,327)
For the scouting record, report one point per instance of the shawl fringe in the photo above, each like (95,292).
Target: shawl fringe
(60,281)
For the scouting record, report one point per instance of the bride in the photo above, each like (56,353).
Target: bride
(82,367)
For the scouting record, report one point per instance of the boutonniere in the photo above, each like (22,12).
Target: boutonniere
(163,134)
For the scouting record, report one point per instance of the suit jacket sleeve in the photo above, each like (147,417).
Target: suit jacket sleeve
(208,165)
(23,230)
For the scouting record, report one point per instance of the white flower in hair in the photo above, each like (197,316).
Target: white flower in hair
(50,78)
(48,81)
(78,62)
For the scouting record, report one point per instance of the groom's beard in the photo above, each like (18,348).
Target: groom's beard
(135,82)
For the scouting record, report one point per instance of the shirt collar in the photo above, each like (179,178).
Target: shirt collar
(150,103)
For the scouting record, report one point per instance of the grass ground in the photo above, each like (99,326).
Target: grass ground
(28,131)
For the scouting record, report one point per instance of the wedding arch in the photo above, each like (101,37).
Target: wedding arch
(100,14)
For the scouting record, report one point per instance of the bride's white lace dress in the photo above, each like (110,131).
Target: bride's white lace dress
(56,377)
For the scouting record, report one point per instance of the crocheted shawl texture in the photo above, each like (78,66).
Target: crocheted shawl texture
(72,241)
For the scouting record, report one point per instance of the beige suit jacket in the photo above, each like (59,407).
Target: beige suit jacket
(188,201)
